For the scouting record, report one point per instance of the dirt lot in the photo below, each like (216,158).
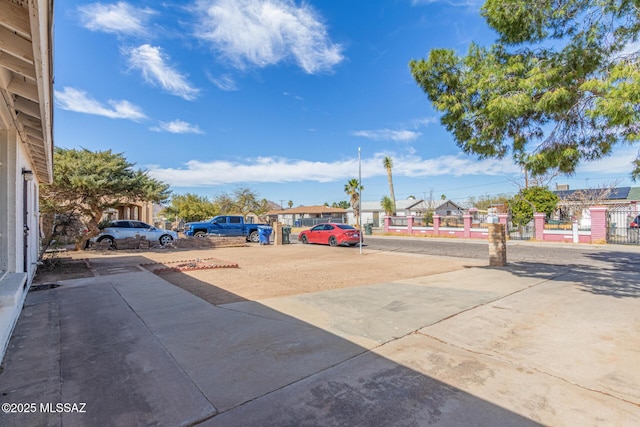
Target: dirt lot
(256,272)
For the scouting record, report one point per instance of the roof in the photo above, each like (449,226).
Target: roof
(26,79)
(401,205)
(450,202)
(618,193)
(319,209)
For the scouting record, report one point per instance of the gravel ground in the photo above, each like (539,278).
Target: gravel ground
(272,271)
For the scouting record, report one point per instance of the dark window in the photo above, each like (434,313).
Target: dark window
(138,224)
(346,227)
(328,227)
(120,224)
(235,220)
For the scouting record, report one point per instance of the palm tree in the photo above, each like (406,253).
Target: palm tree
(353,189)
(387,162)
(290,204)
(387,205)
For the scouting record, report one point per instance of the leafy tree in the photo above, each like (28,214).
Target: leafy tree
(486,201)
(343,204)
(86,183)
(387,162)
(190,207)
(522,205)
(242,201)
(246,201)
(290,204)
(388,205)
(225,204)
(559,86)
(353,189)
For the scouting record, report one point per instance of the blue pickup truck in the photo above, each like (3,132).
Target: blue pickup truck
(224,225)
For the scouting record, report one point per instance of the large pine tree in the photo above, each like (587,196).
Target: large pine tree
(560,86)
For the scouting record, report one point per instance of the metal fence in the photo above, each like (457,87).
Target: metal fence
(310,222)
(564,225)
(480,220)
(421,221)
(619,225)
(453,221)
(522,232)
(397,221)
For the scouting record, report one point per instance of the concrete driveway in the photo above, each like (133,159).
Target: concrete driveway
(523,345)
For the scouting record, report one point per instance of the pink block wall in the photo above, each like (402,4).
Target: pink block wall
(598,228)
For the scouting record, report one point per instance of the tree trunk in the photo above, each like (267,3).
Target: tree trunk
(93,230)
(392,194)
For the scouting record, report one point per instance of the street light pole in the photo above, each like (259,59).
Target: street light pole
(360,196)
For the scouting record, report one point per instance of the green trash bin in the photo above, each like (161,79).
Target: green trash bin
(286,232)
(368,229)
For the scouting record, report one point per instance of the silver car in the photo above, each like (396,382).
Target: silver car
(123,228)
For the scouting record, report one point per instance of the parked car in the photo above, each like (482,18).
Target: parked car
(331,234)
(121,229)
(635,223)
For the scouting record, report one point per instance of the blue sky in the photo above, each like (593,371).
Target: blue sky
(277,96)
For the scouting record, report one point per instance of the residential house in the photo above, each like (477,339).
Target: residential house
(26,146)
(139,211)
(307,216)
(623,204)
(373,213)
(449,208)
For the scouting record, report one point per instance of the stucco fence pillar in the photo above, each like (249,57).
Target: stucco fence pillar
(467,225)
(410,224)
(436,225)
(538,221)
(598,224)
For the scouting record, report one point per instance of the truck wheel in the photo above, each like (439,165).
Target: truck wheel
(199,234)
(254,237)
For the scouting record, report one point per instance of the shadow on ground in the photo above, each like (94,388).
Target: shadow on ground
(619,279)
(140,351)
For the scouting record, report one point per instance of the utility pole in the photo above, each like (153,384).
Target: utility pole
(360,196)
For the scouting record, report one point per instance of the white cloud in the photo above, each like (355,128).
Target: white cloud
(196,173)
(296,97)
(76,100)
(388,135)
(425,121)
(460,165)
(151,61)
(225,83)
(177,126)
(617,163)
(632,48)
(262,33)
(119,18)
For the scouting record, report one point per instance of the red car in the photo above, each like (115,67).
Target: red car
(331,234)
